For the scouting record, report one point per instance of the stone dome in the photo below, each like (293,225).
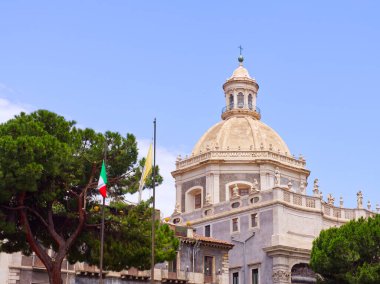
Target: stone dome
(241,132)
(240,72)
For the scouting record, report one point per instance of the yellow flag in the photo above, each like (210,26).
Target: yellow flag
(147,167)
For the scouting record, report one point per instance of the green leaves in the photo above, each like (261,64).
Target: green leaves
(48,168)
(127,238)
(349,254)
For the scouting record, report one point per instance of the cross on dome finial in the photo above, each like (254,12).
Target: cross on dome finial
(240,58)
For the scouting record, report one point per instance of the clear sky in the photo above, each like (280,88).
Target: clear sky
(115,65)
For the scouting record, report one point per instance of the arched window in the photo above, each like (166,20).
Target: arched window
(231,104)
(239,189)
(193,199)
(236,189)
(302,273)
(240,101)
(250,102)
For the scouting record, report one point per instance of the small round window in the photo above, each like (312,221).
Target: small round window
(207,212)
(235,204)
(255,199)
(176,220)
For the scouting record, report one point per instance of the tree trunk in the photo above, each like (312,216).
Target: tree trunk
(55,276)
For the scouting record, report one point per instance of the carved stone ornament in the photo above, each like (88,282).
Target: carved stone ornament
(290,185)
(235,191)
(280,276)
(255,187)
(330,199)
(208,199)
(216,146)
(302,187)
(360,199)
(316,188)
(277,177)
(177,209)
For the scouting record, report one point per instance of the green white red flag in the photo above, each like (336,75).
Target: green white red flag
(102,183)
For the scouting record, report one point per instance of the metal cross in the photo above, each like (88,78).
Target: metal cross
(240,48)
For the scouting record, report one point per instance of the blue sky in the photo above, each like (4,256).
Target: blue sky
(118,64)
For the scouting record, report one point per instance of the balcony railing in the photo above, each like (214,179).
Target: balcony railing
(241,106)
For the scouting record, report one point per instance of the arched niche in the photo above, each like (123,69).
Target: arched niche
(243,186)
(302,273)
(194,198)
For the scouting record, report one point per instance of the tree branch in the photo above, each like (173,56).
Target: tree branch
(31,210)
(51,228)
(81,210)
(35,246)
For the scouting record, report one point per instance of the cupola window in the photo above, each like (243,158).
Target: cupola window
(231,103)
(250,102)
(240,100)
(198,201)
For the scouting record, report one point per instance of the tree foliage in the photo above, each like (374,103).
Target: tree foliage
(48,196)
(349,254)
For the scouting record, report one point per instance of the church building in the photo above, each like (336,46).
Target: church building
(241,184)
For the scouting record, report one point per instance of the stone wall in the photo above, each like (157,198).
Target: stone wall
(227,178)
(201,182)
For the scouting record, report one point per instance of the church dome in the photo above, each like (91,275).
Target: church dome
(241,133)
(240,72)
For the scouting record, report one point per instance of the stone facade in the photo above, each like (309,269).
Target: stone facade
(257,194)
(189,266)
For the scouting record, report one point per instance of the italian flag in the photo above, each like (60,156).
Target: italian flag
(102,183)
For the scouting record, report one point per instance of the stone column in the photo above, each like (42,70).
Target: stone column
(178,195)
(281,272)
(210,186)
(245,93)
(216,194)
(281,276)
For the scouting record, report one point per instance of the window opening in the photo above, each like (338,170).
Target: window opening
(197,201)
(235,224)
(250,102)
(207,231)
(235,278)
(240,100)
(231,105)
(253,220)
(255,276)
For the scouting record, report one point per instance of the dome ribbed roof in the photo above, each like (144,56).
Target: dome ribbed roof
(240,72)
(241,133)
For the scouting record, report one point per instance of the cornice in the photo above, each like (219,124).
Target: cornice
(240,156)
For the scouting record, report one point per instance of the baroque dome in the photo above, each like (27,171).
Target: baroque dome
(241,133)
(240,72)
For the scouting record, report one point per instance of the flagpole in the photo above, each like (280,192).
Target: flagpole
(154,203)
(102,245)
(140,184)
(102,228)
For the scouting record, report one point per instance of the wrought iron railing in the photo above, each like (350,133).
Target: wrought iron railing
(241,106)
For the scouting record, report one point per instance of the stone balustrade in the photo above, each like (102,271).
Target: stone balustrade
(328,210)
(277,195)
(240,155)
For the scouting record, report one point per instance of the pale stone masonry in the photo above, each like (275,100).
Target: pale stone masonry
(188,267)
(241,184)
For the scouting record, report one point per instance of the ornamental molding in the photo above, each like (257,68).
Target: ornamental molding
(281,276)
(240,155)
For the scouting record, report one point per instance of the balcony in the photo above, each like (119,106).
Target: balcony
(241,108)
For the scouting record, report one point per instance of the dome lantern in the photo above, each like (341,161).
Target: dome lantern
(240,92)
